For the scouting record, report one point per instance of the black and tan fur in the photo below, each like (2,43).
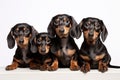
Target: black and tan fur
(21,34)
(93,53)
(63,28)
(43,59)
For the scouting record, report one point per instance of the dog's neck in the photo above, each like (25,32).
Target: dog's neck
(94,43)
(23,47)
(63,41)
(44,56)
(25,51)
(25,57)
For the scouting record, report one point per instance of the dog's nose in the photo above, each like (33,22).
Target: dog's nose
(91,34)
(21,41)
(61,30)
(43,50)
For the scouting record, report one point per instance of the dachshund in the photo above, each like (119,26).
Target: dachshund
(22,34)
(93,53)
(63,28)
(43,59)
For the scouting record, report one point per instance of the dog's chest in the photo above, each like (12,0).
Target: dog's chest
(65,50)
(95,54)
(25,57)
(92,54)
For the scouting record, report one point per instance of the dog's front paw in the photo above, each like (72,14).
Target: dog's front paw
(43,67)
(52,68)
(11,67)
(102,67)
(85,67)
(74,67)
(34,67)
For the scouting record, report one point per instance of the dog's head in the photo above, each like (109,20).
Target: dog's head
(62,25)
(92,28)
(41,43)
(22,33)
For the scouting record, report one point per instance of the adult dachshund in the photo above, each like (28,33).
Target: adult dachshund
(63,28)
(93,53)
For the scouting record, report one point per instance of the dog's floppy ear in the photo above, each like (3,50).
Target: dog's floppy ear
(50,28)
(75,30)
(78,29)
(81,24)
(55,45)
(10,39)
(33,47)
(34,33)
(33,40)
(104,32)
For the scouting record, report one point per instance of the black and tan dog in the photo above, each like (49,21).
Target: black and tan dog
(63,28)
(22,34)
(93,53)
(43,59)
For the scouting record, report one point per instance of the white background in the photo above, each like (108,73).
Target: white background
(39,13)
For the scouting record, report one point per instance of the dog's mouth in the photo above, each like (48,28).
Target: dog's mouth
(43,52)
(22,45)
(91,40)
(63,35)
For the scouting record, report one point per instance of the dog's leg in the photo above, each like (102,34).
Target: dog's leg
(103,63)
(85,67)
(43,67)
(13,66)
(102,67)
(74,64)
(34,65)
(54,65)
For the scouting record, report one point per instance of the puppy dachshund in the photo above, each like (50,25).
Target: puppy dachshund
(43,59)
(93,53)
(22,34)
(63,28)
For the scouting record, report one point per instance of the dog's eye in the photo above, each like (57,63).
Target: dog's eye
(56,23)
(27,31)
(38,41)
(67,22)
(48,41)
(86,26)
(97,27)
(16,32)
